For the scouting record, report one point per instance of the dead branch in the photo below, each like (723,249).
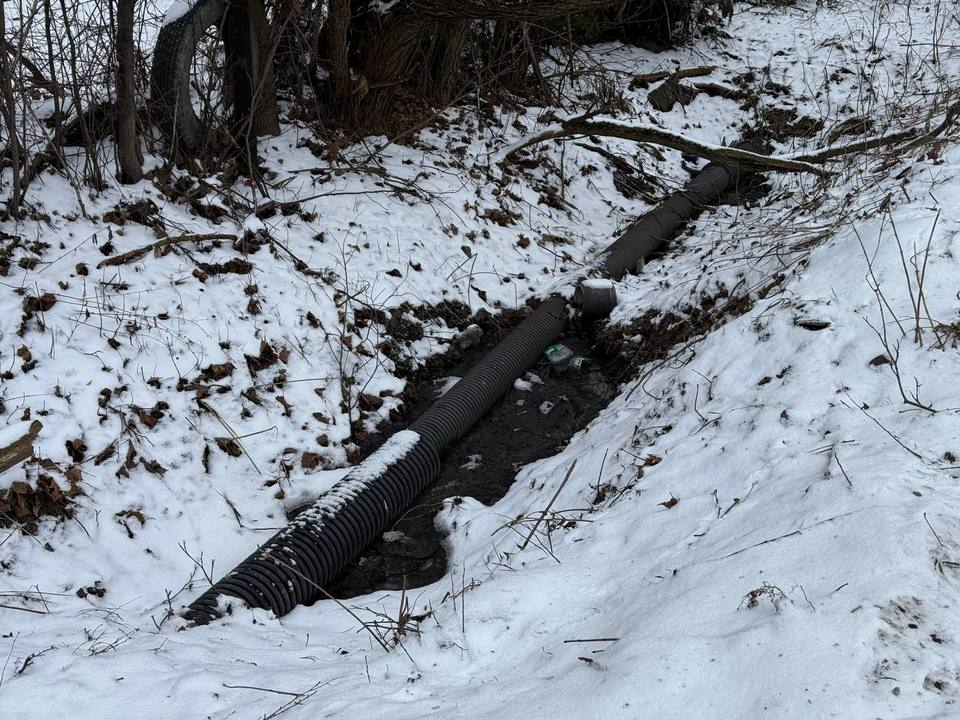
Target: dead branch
(543,514)
(580,126)
(657,76)
(911,136)
(139,252)
(20,449)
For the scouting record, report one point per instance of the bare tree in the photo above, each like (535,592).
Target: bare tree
(265,118)
(10,120)
(129,158)
(338,25)
(91,162)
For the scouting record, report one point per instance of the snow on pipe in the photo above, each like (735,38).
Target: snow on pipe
(291,567)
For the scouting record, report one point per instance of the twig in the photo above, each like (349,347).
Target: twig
(779,537)
(301,698)
(206,406)
(895,438)
(261,689)
(29,610)
(836,456)
(199,563)
(932,530)
(3,670)
(291,568)
(549,505)
(236,513)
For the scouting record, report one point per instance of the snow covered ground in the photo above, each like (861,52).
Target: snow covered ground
(765,523)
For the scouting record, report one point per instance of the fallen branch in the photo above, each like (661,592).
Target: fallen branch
(549,504)
(805,162)
(912,137)
(139,252)
(657,76)
(581,126)
(20,449)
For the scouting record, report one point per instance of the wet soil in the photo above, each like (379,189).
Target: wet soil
(526,425)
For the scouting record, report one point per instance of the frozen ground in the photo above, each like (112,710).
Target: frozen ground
(761,524)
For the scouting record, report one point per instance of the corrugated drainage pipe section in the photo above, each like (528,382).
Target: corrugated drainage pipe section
(627,253)
(291,567)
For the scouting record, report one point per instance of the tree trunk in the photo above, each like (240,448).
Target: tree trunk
(265,116)
(518,10)
(10,120)
(338,26)
(442,65)
(129,158)
(388,59)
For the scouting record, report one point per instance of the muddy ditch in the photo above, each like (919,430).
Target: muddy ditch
(534,420)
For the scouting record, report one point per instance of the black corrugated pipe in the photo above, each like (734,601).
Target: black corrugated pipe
(595,298)
(289,568)
(461,407)
(628,251)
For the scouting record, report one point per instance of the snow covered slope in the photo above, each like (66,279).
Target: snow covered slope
(764,522)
